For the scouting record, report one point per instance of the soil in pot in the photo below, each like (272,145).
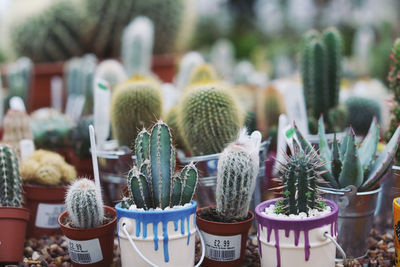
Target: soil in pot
(90,247)
(225,241)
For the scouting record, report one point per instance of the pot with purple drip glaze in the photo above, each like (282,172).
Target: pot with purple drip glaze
(296,242)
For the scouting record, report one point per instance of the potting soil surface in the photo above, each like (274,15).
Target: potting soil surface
(52,252)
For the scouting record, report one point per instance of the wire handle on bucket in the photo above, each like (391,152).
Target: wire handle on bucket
(341,251)
(203,247)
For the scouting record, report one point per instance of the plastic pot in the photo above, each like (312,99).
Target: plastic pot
(45,203)
(90,247)
(225,242)
(164,237)
(296,242)
(13,222)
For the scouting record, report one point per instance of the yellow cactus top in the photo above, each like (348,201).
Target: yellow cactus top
(202,74)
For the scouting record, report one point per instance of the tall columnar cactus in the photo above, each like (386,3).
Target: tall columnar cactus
(360,111)
(84,204)
(299,178)
(16,128)
(137,46)
(19,78)
(321,57)
(349,163)
(153,183)
(111,71)
(238,167)
(210,118)
(10,181)
(135,104)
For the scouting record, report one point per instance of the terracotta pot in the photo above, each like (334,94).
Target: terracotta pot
(91,247)
(225,242)
(45,204)
(13,223)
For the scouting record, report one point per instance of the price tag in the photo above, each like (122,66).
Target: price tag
(47,215)
(85,252)
(222,248)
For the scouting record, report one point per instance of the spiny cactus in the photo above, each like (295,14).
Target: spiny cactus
(10,181)
(299,176)
(152,183)
(137,46)
(238,167)
(270,106)
(210,118)
(19,78)
(352,164)
(321,57)
(111,71)
(173,122)
(84,204)
(135,104)
(202,74)
(360,111)
(187,64)
(16,128)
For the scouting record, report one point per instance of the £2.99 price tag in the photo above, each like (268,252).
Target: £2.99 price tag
(47,215)
(222,248)
(85,252)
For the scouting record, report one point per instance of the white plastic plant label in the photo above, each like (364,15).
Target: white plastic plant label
(26,146)
(47,215)
(222,248)
(85,252)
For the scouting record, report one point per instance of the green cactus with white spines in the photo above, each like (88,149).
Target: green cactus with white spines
(349,163)
(299,176)
(172,119)
(153,183)
(111,71)
(84,204)
(135,104)
(202,74)
(10,181)
(209,118)
(238,167)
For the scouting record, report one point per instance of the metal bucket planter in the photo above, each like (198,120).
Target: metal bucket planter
(355,218)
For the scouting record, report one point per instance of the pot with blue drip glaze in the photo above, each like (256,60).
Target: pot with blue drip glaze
(165,237)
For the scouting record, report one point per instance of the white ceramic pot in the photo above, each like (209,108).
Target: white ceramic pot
(165,237)
(300,242)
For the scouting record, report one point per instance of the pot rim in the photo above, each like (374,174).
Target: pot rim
(334,191)
(260,209)
(223,223)
(108,209)
(123,211)
(33,186)
(24,213)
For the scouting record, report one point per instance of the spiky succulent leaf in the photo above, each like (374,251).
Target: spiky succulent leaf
(323,144)
(368,147)
(343,145)
(336,162)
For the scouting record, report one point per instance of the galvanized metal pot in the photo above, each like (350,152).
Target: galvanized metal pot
(355,217)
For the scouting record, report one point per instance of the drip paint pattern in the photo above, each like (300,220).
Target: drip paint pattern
(304,225)
(143,218)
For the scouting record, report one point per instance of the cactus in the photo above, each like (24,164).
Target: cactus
(202,74)
(209,118)
(152,182)
(187,64)
(350,163)
(173,122)
(84,204)
(137,46)
(16,128)
(10,185)
(135,104)
(48,175)
(238,167)
(321,57)
(299,178)
(79,137)
(360,113)
(270,106)
(19,78)
(111,71)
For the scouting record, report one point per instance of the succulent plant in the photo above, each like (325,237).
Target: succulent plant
(187,64)
(19,78)
(360,111)
(299,176)
(209,118)
(79,137)
(202,74)
(321,57)
(111,71)
(152,182)
(173,122)
(135,104)
(10,184)
(137,46)
(16,127)
(238,167)
(348,163)
(84,204)
(271,105)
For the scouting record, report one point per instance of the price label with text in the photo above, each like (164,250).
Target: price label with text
(222,248)
(85,252)
(47,215)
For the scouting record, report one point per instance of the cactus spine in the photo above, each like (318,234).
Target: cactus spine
(84,204)
(299,178)
(238,167)
(153,183)
(10,185)
(134,105)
